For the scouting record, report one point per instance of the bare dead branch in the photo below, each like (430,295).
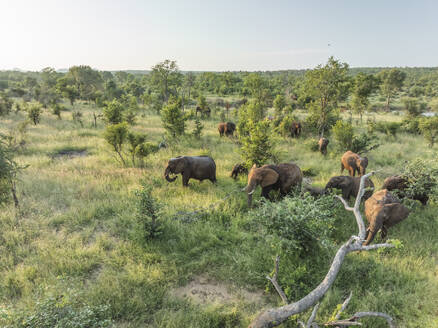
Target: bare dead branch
(275,316)
(388,318)
(343,323)
(274,281)
(344,306)
(312,316)
(347,207)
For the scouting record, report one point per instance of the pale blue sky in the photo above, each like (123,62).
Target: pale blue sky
(217,35)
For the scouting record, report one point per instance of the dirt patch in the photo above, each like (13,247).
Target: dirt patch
(203,290)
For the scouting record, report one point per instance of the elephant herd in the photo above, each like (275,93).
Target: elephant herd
(382,209)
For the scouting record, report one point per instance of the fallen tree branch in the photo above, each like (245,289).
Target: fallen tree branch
(274,281)
(275,316)
(312,316)
(344,306)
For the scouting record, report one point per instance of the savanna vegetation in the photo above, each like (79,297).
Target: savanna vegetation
(92,235)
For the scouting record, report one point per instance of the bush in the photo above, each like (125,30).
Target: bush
(148,219)
(413,106)
(77,117)
(34,112)
(197,131)
(174,120)
(257,146)
(285,126)
(429,129)
(343,133)
(57,109)
(60,312)
(422,176)
(115,135)
(112,112)
(410,125)
(364,143)
(389,128)
(5,104)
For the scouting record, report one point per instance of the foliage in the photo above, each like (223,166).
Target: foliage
(166,78)
(5,104)
(389,128)
(343,133)
(285,126)
(325,86)
(391,83)
(429,128)
(148,216)
(173,118)
(130,116)
(413,106)
(297,224)
(62,312)
(364,143)
(115,135)
(363,87)
(410,125)
(422,177)
(197,131)
(85,80)
(250,113)
(279,104)
(77,117)
(8,170)
(34,111)
(56,110)
(258,87)
(113,112)
(257,146)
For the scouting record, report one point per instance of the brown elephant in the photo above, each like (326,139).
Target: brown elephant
(227,128)
(238,169)
(281,177)
(295,129)
(383,210)
(350,186)
(191,167)
(314,191)
(323,143)
(398,182)
(354,163)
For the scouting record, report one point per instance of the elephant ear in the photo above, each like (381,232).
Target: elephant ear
(345,183)
(269,177)
(180,165)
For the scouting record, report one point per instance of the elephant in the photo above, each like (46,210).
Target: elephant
(295,129)
(398,182)
(206,112)
(383,210)
(350,186)
(353,163)
(227,128)
(191,167)
(238,169)
(314,191)
(281,177)
(323,143)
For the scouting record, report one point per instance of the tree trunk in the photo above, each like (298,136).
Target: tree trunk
(14,194)
(388,98)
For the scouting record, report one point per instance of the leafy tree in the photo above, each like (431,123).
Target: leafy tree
(134,140)
(363,87)
(325,86)
(76,116)
(56,110)
(8,171)
(166,77)
(111,91)
(86,81)
(174,120)
(279,104)
(197,131)
(249,113)
(258,87)
(364,143)
(145,149)
(413,106)
(429,128)
(189,82)
(257,145)
(147,214)
(34,112)
(66,89)
(343,133)
(115,135)
(5,104)
(113,112)
(391,83)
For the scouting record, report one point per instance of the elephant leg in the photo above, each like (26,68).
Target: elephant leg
(213,179)
(346,194)
(383,233)
(185,180)
(265,192)
(352,171)
(342,167)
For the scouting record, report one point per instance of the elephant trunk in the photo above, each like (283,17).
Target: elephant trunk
(166,175)
(250,188)
(371,233)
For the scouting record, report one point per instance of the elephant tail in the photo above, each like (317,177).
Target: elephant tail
(370,236)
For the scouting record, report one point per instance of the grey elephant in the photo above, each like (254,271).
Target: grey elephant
(191,167)
(383,210)
(350,186)
(281,177)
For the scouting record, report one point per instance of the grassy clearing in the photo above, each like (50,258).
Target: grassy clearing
(76,234)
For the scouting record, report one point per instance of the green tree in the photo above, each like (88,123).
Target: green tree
(343,133)
(197,131)
(113,112)
(391,83)
(5,104)
(429,128)
(257,146)
(34,111)
(147,214)
(279,104)
(363,87)
(115,135)
(250,113)
(66,89)
(413,106)
(325,86)
(258,87)
(8,171)
(86,81)
(173,118)
(166,77)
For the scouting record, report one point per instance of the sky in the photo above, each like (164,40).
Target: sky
(210,35)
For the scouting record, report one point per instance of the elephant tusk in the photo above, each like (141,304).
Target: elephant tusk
(244,189)
(250,193)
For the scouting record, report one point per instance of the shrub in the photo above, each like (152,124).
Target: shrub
(62,312)
(410,125)
(174,120)
(197,131)
(285,126)
(343,133)
(77,117)
(413,106)
(5,104)
(34,112)
(429,129)
(112,112)
(56,110)
(148,219)
(389,128)
(130,116)
(279,104)
(115,135)
(422,176)
(257,146)
(364,143)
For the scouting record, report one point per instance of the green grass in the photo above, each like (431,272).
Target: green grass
(75,234)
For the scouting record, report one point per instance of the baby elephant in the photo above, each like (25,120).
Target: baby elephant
(322,144)
(350,186)
(354,163)
(238,169)
(227,128)
(383,210)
